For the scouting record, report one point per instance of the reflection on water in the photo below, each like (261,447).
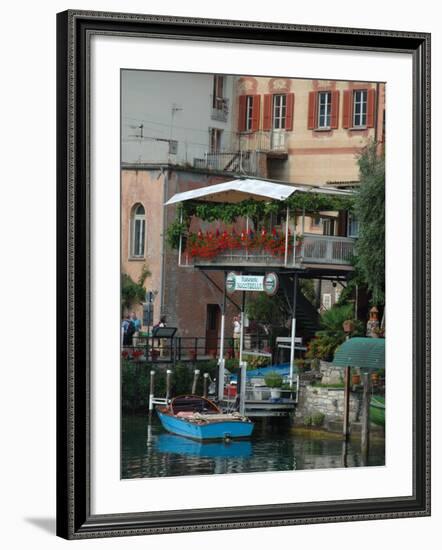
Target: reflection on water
(149,451)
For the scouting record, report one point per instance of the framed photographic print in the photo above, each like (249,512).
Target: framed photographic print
(243,274)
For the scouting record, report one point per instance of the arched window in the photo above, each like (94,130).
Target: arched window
(138,231)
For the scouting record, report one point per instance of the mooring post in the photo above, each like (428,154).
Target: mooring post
(151,391)
(365,423)
(293,332)
(242,389)
(346,431)
(205,383)
(168,383)
(196,374)
(221,360)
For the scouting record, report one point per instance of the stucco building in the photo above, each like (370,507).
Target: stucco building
(180,132)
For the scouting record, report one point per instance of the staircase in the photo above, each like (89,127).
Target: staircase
(307,318)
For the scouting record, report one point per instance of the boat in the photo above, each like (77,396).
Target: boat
(199,418)
(174,444)
(377,410)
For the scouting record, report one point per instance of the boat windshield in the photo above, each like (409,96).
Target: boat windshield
(193,404)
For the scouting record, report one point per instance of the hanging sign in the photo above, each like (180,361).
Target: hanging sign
(271,283)
(248,283)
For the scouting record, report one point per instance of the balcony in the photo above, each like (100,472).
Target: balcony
(220,109)
(238,162)
(274,142)
(309,250)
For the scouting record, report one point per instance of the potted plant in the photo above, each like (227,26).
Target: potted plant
(355,378)
(137,354)
(273,381)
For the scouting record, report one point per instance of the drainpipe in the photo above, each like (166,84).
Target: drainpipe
(165,174)
(376,114)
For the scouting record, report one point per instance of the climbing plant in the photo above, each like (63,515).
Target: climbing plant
(257,211)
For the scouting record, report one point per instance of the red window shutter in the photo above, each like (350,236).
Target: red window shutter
(242,113)
(311,119)
(256,111)
(334,116)
(371,94)
(289,111)
(346,116)
(267,120)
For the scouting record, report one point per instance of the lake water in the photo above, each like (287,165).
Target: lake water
(149,451)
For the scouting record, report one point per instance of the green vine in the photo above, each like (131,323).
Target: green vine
(258,211)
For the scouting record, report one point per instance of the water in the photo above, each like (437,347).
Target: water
(149,451)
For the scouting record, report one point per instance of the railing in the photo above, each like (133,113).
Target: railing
(327,250)
(271,141)
(220,109)
(146,348)
(242,256)
(245,162)
(319,249)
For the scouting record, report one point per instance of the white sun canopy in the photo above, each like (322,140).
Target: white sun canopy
(243,189)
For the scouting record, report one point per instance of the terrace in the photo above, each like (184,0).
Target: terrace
(264,226)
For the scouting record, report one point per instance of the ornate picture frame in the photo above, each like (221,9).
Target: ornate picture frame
(75,30)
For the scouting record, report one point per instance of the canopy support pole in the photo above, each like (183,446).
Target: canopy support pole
(242,364)
(286,254)
(221,360)
(293,334)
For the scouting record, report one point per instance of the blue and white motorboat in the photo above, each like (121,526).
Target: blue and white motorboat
(198,418)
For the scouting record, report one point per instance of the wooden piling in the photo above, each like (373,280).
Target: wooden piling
(151,391)
(365,421)
(196,374)
(168,383)
(205,384)
(346,424)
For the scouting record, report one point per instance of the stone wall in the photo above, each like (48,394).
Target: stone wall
(328,401)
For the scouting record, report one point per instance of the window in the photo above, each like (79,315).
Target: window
(279,111)
(249,113)
(326,301)
(359,108)
(353,226)
(218,92)
(138,226)
(324,109)
(215,140)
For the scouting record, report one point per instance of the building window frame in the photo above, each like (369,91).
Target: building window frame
(352,226)
(359,108)
(323,120)
(138,232)
(279,111)
(218,91)
(215,136)
(249,113)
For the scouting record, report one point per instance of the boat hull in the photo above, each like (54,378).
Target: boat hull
(377,410)
(207,431)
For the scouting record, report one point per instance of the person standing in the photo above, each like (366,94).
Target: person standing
(128,331)
(136,322)
(236,335)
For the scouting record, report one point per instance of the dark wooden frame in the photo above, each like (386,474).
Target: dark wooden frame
(74,520)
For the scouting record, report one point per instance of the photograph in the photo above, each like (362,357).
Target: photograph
(252,245)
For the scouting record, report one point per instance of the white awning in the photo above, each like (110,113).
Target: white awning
(243,189)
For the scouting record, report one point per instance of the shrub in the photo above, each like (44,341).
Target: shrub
(307,420)
(273,380)
(318,419)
